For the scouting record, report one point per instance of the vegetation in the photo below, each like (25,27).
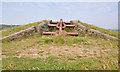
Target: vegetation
(7,26)
(107,31)
(41,52)
(12,30)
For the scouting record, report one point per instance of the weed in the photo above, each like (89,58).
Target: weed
(54,29)
(66,49)
(69,30)
(47,53)
(41,43)
(94,51)
(60,55)
(32,45)
(40,52)
(95,54)
(103,48)
(48,40)
(79,56)
(30,52)
(17,53)
(80,35)
(85,51)
(59,40)
(71,58)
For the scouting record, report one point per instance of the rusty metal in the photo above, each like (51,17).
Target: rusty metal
(48,33)
(70,25)
(60,25)
(51,25)
(72,34)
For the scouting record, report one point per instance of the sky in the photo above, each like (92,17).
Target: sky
(101,14)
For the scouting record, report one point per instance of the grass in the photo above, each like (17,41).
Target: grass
(64,60)
(79,56)
(71,59)
(52,63)
(30,52)
(106,31)
(41,51)
(47,53)
(66,53)
(70,30)
(54,29)
(48,40)
(66,49)
(60,55)
(41,54)
(12,30)
(85,51)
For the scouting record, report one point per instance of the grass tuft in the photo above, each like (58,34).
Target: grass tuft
(71,58)
(79,56)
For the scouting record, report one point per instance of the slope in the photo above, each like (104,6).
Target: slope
(38,52)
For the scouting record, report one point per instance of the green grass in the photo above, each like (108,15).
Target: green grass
(30,52)
(60,55)
(79,56)
(54,29)
(78,53)
(12,30)
(41,54)
(63,61)
(66,49)
(0,65)
(71,59)
(70,30)
(48,40)
(47,53)
(53,63)
(106,31)
(41,51)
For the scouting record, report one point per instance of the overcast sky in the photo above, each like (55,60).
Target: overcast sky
(101,14)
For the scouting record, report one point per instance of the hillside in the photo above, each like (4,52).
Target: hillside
(106,31)
(12,30)
(38,52)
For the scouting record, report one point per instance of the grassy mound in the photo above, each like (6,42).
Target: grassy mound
(9,31)
(106,31)
(38,52)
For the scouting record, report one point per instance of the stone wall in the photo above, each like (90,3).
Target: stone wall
(83,30)
(17,35)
